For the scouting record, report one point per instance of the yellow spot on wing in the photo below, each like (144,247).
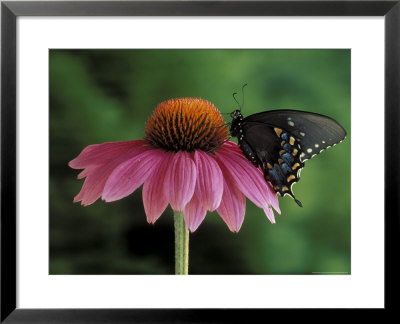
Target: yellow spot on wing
(291,140)
(295,152)
(295,166)
(290,178)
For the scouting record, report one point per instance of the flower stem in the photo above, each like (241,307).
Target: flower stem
(181,245)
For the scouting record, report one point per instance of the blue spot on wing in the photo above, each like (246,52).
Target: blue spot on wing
(287,147)
(288,158)
(285,136)
(276,175)
(286,169)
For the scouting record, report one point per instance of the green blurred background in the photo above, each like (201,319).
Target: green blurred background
(107,95)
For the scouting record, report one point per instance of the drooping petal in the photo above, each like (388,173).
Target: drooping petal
(270,214)
(248,179)
(273,198)
(101,153)
(154,199)
(93,186)
(209,183)
(96,176)
(194,213)
(180,180)
(86,172)
(130,175)
(231,147)
(233,205)
(245,175)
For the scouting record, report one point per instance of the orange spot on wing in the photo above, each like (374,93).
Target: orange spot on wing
(278,131)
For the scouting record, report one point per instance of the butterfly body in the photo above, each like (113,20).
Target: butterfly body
(280,141)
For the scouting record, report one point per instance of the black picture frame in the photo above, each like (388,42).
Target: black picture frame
(11,10)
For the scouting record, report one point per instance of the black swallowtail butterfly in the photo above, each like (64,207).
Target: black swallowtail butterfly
(280,141)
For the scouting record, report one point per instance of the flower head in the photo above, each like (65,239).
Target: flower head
(185,160)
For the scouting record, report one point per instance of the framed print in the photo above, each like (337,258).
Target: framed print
(178,176)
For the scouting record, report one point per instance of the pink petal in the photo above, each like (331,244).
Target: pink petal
(248,179)
(180,180)
(246,176)
(154,199)
(194,213)
(130,175)
(92,187)
(96,176)
(233,205)
(209,184)
(270,214)
(101,153)
(86,172)
(232,148)
(273,198)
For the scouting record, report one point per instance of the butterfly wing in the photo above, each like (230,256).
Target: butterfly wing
(279,141)
(314,132)
(276,153)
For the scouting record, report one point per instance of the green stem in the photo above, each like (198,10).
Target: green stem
(181,245)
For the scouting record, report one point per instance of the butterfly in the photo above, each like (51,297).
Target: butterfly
(280,141)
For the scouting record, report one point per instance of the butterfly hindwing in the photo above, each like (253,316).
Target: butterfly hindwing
(275,152)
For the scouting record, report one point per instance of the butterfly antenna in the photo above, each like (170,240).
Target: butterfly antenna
(234,97)
(243,96)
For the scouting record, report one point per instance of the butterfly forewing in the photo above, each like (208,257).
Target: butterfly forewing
(279,141)
(314,132)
